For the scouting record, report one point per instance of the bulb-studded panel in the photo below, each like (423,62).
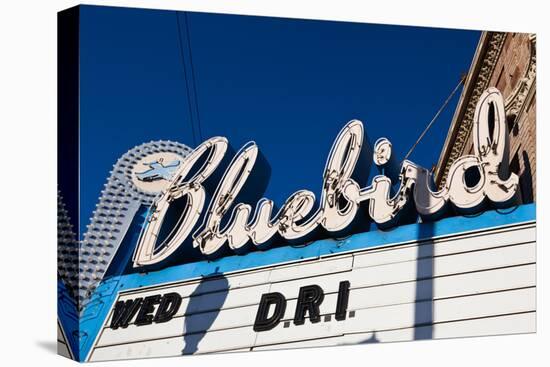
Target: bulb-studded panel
(136,179)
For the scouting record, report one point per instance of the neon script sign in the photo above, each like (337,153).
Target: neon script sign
(387,200)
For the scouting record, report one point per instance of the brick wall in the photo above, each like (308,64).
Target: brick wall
(510,70)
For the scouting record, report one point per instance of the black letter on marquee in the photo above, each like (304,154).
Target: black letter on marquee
(145,315)
(263,323)
(169,305)
(342,302)
(124,312)
(309,299)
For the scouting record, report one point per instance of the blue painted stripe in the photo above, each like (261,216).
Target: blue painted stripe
(97,310)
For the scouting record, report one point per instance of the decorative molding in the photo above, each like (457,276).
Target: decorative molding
(488,62)
(515,101)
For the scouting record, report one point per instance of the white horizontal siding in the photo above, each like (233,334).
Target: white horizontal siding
(335,264)
(363,277)
(496,325)
(360,298)
(375,320)
(473,280)
(447,246)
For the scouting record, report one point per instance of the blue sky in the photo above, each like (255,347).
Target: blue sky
(290,85)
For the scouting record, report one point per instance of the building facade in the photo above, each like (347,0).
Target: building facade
(506,61)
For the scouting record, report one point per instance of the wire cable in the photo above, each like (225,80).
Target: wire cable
(461,82)
(193,78)
(189,104)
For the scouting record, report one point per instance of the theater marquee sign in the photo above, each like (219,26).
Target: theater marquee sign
(341,195)
(458,261)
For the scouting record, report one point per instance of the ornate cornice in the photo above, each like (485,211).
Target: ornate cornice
(515,101)
(478,80)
